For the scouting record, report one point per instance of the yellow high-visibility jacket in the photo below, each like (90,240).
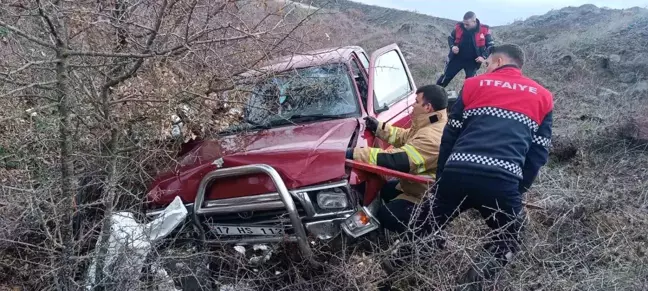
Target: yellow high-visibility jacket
(415,151)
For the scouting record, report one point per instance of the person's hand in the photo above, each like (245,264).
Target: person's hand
(455,49)
(371,123)
(480,60)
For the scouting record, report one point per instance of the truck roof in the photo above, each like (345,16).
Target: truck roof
(307,59)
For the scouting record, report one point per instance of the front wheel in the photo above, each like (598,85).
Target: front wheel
(183,258)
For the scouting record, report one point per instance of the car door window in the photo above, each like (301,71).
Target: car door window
(391,82)
(365,61)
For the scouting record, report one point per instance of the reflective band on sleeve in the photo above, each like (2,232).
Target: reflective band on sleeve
(392,135)
(416,157)
(373,156)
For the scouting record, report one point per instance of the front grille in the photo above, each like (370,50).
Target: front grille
(255,217)
(267,218)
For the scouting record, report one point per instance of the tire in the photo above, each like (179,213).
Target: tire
(183,258)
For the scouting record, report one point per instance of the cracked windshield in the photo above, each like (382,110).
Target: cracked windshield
(299,95)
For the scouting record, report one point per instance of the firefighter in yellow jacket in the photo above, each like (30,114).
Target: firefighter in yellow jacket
(415,151)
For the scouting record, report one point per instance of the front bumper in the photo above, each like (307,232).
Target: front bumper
(305,221)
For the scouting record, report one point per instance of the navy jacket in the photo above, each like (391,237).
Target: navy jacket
(480,38)
(500,126)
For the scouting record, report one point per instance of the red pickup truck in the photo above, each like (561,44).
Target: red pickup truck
(281,174)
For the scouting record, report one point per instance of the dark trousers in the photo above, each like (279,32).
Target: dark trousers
(499,203)
(395,214)
(454,66)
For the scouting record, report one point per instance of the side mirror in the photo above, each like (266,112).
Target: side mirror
(382,109)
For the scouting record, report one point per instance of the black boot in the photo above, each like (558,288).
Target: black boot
(386,286)
(394,261)
(486,267)
(470,281)
(397,258)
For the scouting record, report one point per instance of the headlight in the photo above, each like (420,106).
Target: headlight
(360,223)
(332,199)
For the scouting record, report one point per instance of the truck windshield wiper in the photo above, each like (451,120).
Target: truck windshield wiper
(253,125)
(302,118)
(315,116)
(258,125)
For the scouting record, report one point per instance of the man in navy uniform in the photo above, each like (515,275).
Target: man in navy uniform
(469,43)
(495,142)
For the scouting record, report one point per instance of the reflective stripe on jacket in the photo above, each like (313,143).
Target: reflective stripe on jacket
(500,126)
(415,151)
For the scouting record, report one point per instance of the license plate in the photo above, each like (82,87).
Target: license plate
(246,230)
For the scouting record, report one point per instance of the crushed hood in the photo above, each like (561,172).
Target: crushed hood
(304,154)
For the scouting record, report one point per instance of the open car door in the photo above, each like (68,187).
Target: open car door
(391,88)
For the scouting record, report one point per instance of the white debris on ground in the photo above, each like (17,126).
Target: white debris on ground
(262,247)
(176,127)
(240,249)
(129,244)
(264,257)
(32,112)
(237,287)
(163,280)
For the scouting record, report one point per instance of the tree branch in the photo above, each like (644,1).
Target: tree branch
(149,43)
(35,85)
(57,38)
(191,12)
(177,49)
(138,100)
(211,89)
(27,36)
(32,85)
(27,65)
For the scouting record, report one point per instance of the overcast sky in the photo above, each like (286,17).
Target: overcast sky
(496,12)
